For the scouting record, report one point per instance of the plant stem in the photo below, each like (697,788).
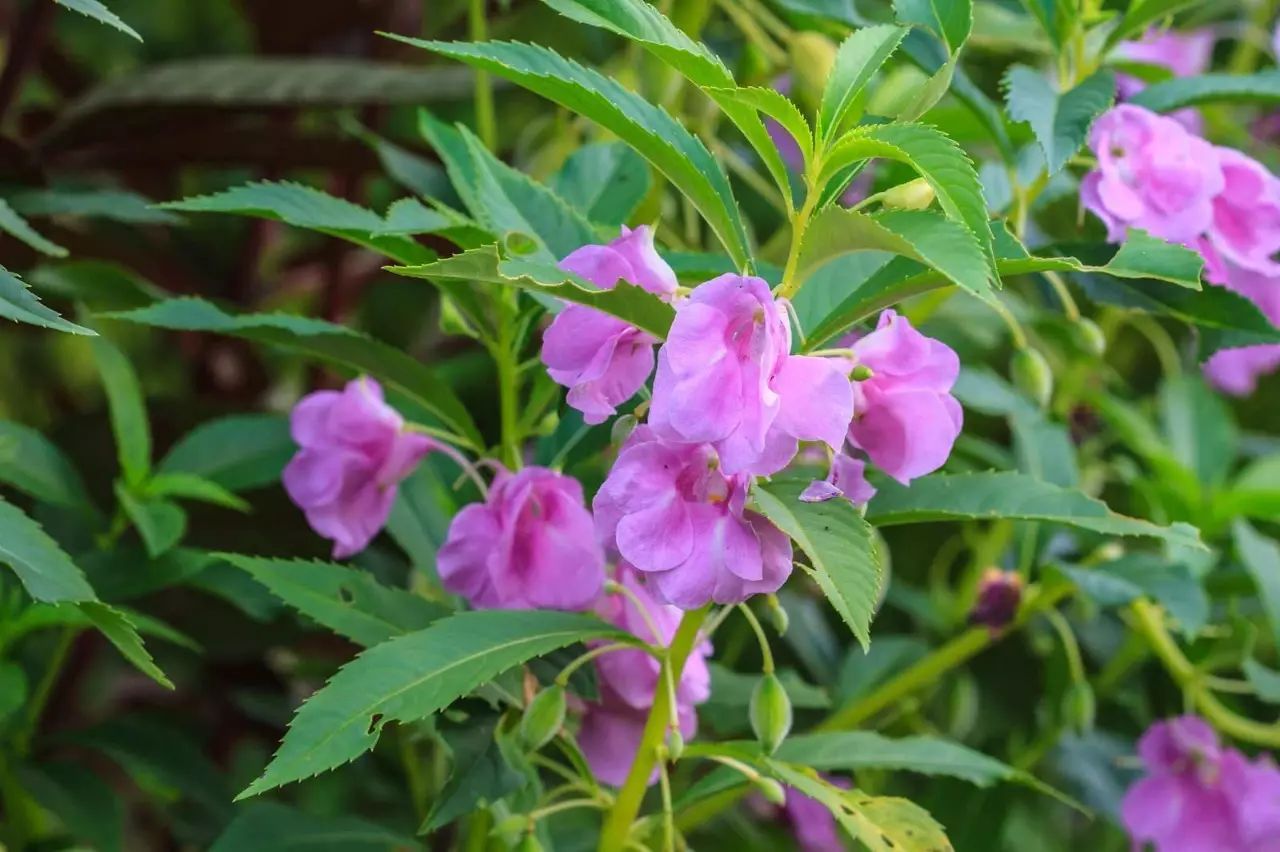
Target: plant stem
(418,793)
(799,224)
(766,653)
(617,826)
(506,358)
(486,124)
(22,741)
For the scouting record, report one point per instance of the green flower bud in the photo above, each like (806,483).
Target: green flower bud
(675,744)
(543,717)
(778,615)
(813,55)
(622,428)
(1031,374)
(1089,337)
(913,195)
(771,790)
(510,825)
(770,713)
(861,373)
(1079,707)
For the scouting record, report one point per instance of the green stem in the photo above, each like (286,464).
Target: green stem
(419,795)
(486,124)
(506,358)
(617,826)
(22,741)
(766,653)
(799,224)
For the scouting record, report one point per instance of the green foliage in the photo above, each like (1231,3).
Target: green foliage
(1260,88)
(128,411)
(605,180)
(859,58)
(19,228)
(31,463)
(238,453)
(950,20)
(264,826)
(46,572)
(96,10)
(1060,120)
(19,304)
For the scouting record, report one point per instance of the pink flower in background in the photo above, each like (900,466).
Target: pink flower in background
(1197,796)
(674,514)
(354,453)
(847,478)
(602,359)
(1246,215)
(530,544)
(811,822)
(1184,53)
(725,377)
(612,727)
(1152,174)
(1236,371)
(905,418)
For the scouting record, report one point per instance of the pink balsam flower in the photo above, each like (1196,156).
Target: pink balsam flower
(613,726)
(726,378)
(1245,230)
(1184,53)
(811,822)
(1236,371)
(601,359)
(530,544)
(1197,796)
(905,418)
(673,513)
(847,478)
(354,451)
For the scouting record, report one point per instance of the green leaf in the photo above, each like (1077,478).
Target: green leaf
(161,524)
(419,520)
(239,452)
(1016,496)
(934,155)
(411,677)
(18,228)
(273,827)
(1262,88)
(13,690)
(348,601)
(1261,558)
(648,129)
(116,205)
(920,235)
(950,20)
(839,543)
(46,571)
(1255,492)
(488,266)
(188,486)
(1172,584)
(857,60)
(19,304)
(31,463)
(329,342)
(122,633)
(97,285)
(96,10)
(88,808)
(1060,120)
(1144,256)
(480,774)
(1200,429)
(734,689)
(605,180)
(1265,681)
(1138,14)
(128,410)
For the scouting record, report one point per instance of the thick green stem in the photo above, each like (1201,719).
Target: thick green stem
(507,360)
(799,225)
(486,124)
(617,826)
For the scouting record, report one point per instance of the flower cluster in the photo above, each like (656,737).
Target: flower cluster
(1198,796)
(1155,175)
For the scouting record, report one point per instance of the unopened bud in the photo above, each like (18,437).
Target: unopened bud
(778,615)
(543,717)
(1079,707)
(1031,374)
(770,713)
(771,790)
(999,595)
(913,195)
(861,373)
(813,55)
(622,428)
(675,744)
(1089,337)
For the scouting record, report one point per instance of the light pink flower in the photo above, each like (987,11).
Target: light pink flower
(1200,797)
(1236,371)
(611,733)
(905,418)
(674,514)
(1184,53)
(354,453)
(726,377)
(530,544)
(1246,214)
(811,822)
(600,358)
(1152,174)
(847,478)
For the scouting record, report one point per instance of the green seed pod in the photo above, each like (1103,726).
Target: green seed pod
(778,615)
(813,55)
(510,825)
(675,744)
(543,717)
(1079,707)
(622,428)
(770,713)
(771,790)
(861,373)
(913,195)
(1089,337)
(1031,374)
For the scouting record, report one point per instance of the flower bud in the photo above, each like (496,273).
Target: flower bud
(675,744)
(770,713)
(1089,337)
(1079,706)
(771,790)
(999,595)
(622,428)
(861,373)
(543,717)
(509,825)
(778,615)
(813,55)
(1031,374)
(913,195)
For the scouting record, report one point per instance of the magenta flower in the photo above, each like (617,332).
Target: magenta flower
(905,418)
(530,544)
(674,514)
(612,727)
(1236,371)
(354,453)
(1200,797)
(811,822)
(600,358)
(847,478)
(1152,174)
(726,377)
(1246,216)
(1184,53)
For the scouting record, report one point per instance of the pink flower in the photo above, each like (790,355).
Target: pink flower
(673,513)
(905,417)
(530,544)
(1152,174)
(847,478)
(1236,371)
(1185,54)
(725,377)
(354,453)
(1200,797)
(1246,215)
(602,359)
(812,823)
(612,727)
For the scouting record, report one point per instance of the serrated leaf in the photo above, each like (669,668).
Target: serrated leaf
(856,750)
(96,10)
(1060,120)
(239,452)
(1261,558)
(949,20)
(116,205)
(20,229)
(329,342)
(127,408)
(160,523)
(839,543)
(19,304)
(120,630)
(1016,496)
(348,601)
(410,678)
(776,106)
(648,129)
(857,60)
(1144,256)
(1262,88)
(487,266)
(1140,13)
(188,486)
(46,571)
(274,827)
(33,464)
(605,180)
(480,774)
